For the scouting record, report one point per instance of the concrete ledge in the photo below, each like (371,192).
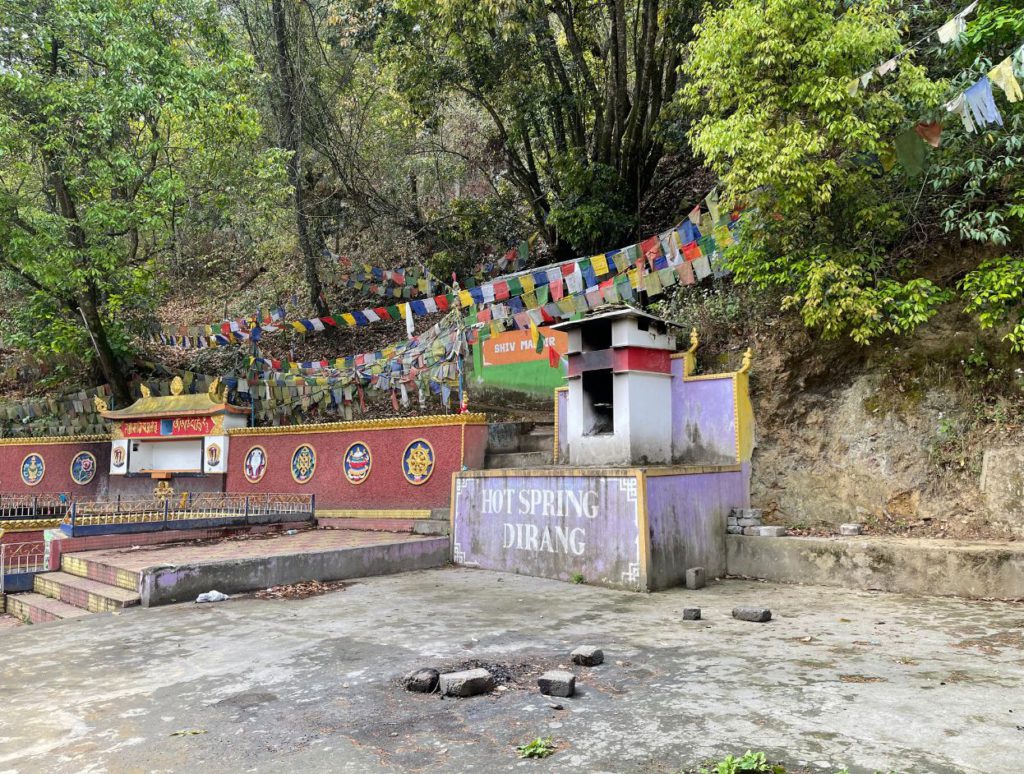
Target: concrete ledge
(181,583)
(908,565)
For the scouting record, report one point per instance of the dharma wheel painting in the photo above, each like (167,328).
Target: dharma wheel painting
(418,462)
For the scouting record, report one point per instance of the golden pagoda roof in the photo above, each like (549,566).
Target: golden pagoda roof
(174,405)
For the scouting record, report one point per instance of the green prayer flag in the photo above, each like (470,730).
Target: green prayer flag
(515,287)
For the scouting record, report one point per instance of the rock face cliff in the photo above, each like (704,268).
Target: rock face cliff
(918,436)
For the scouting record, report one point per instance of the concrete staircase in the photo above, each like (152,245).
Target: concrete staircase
(79,588)
(520,445)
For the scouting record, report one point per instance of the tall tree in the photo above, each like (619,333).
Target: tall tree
(279,34)
(576,92)
(94,95)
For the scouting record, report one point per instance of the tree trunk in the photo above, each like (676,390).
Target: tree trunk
(291,140)
(89,301)
(108,362)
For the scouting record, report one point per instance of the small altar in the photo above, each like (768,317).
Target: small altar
(657,457)
(176,436)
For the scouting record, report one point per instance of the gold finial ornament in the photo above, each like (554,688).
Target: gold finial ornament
(144,390)
(177,386)
(694,341)
(100,404)
(748,358)
(217,390)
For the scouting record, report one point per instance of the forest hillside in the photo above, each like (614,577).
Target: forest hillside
(271,191)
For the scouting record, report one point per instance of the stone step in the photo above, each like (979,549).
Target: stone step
(87,594)
(533,459)
(538,441)
(440,526)
(371,525)
(76,564)
(35,608)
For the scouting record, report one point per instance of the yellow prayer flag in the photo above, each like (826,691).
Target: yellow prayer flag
(599,264)
(527,282)
(349,319)
(298,326)
(634,278)
(465,298)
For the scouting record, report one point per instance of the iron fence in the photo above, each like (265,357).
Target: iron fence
(188,507)
(20,558)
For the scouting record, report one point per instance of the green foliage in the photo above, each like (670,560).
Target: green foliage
(541,747)
(590,209)
(572,96)
(577,577)
(785,135)
(748,763)
(995,293)
(104,105)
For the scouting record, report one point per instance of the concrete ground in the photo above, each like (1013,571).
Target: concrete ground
(304,542)
(865,680)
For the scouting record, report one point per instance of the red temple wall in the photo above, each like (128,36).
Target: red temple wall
(456,441)
(57,455)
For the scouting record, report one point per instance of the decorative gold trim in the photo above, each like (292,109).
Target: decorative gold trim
(433,461)
(643,530)
(291,463)
(266,464)
(177,386)
(30,525)
(21,469)
(438,420)
(49,440)
(666,470)
(71,468)
(356,513)
(369,466)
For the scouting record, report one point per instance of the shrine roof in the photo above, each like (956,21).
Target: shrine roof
(178,404)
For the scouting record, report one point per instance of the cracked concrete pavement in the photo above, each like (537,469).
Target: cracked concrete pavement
(869,681)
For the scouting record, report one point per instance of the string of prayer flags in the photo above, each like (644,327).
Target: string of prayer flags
(1002,76)
(982,104)
(952,29)
(930,132)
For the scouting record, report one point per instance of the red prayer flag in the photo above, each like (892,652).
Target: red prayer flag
(651,248)
(553,357)
(691,251)
(500,290)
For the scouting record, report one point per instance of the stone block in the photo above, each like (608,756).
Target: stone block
(751,530)
(557,683)
(749,522)
(734,530)
(755,614)
(696,578)
(470,682)
(771,531)
(421,680)
(849,530)
(691,613)
(587,655)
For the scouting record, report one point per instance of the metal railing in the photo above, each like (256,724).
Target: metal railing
(190,506)
(34,506)
(18,558)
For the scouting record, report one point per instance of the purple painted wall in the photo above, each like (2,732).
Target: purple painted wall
(686,518)
(549,526)
(703,419)
(703,415)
